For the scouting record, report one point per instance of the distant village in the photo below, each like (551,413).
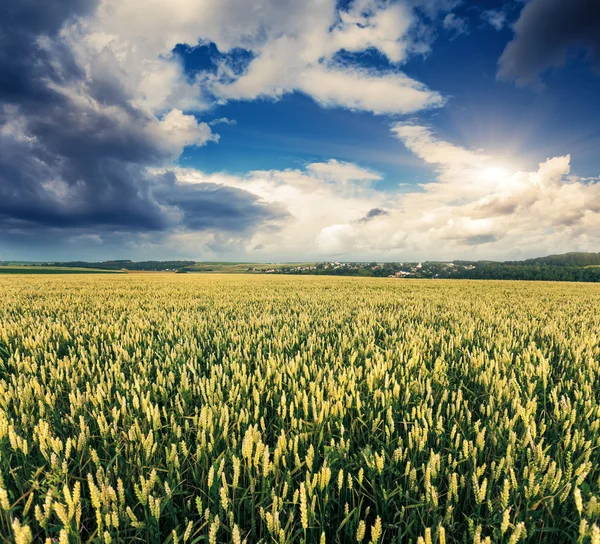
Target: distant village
(390,270)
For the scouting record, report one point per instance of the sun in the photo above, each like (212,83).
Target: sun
(494,173)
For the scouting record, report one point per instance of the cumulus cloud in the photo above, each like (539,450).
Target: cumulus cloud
(94,102)
(546,33)
(473,206)
(178,131)
(476,201)
(81,142)
(335,240)
(315,198)
(217,207)
(95,109)
(53,137)
(293,46)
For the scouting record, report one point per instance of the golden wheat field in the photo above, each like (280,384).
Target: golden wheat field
(207,408)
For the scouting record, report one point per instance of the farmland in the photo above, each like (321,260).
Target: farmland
(230,408)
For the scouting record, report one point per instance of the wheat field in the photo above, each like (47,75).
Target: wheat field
(214,408)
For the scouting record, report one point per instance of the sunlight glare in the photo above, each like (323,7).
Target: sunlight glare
(494,173)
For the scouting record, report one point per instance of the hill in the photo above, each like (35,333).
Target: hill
(566,259)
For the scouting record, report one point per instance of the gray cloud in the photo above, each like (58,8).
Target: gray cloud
(76,155)
(372,214)
(496,18)
(499,206)
(214,206)
(23,61)
(480,239)
(546,32)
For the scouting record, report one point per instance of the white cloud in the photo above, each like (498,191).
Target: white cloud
(171,133)
(294,47)
(223,121)
(177,130)
(317,197)
(335,239)
(369,24)
(365,90)
(129,73)
(474,207)
(477,201)
(15,125)
(339,171)
(422,142)
(456,25)
(495,18)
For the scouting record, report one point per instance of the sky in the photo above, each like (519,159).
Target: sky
(279,131)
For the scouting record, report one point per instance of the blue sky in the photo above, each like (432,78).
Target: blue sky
(269,131)
(481,112)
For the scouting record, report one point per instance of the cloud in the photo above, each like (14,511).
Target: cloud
(215,206)
(423,143)
(223,121)
(495,18)
(475,201)
(341,172)
(472,207)
(545,35)
(360,89)
(320,195)
(24,28)
(179,130)
(94,102)
(291,47)
(95,110)
(80,148)
(373,213)
(456,25)
(335,240)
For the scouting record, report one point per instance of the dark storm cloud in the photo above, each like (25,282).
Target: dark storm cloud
(213,206)
(546,33)
(372,214)
(23,63)
(72,167)
(75,152)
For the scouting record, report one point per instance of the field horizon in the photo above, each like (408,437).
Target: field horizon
(572,267)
